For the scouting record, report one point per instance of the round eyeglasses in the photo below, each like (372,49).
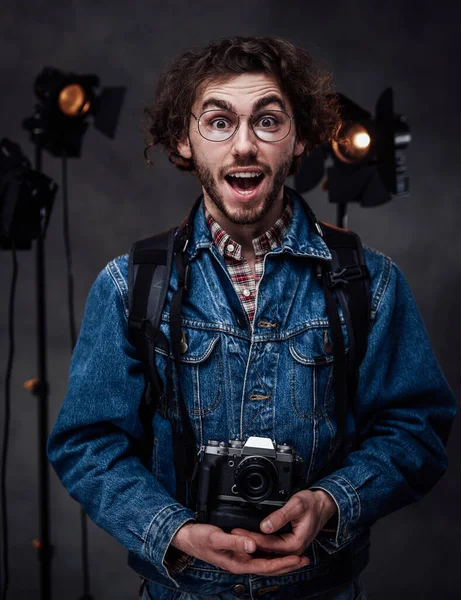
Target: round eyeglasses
(218,125)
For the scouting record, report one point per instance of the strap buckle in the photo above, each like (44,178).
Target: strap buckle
(136,323)
(346,275)
(139,325)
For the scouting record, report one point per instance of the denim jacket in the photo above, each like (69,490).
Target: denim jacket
(270,379)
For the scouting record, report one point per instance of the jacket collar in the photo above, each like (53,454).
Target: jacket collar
(301,238)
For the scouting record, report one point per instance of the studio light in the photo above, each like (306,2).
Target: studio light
(26,198)
(67,104)
(353,145)
(366,163)
(73,101)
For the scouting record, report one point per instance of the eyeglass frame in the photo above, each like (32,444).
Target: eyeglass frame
(238,124)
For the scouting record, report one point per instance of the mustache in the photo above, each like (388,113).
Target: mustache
(265,168)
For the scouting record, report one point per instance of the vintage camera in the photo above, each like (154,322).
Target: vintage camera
(238,484)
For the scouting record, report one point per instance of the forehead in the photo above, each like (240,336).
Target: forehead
(241,91)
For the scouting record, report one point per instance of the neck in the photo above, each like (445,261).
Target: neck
(245,234)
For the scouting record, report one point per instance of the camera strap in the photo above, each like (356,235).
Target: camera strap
(183,432)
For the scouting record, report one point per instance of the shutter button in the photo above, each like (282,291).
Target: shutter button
(239,589)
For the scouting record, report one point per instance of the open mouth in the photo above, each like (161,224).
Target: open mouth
(245,183)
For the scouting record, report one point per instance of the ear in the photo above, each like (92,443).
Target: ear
(300,146)
(183,147)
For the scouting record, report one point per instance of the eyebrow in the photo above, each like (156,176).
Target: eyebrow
(272,99)
(218,103)
(261,103)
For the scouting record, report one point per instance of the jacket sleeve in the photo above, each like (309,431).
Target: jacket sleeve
(404,411)
(93,444)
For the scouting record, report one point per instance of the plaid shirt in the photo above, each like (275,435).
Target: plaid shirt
(245,283)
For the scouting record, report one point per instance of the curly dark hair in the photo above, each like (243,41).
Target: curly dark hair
(307,84)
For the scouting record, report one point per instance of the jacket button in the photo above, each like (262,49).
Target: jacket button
(239,589)
(183,347)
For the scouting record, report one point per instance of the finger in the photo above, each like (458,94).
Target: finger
(258,538)
(290,569)
(286,543)
(295,508)
(272,566)
(220,540)
(302,563)
(239,563)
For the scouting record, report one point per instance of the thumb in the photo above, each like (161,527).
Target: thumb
(293,509)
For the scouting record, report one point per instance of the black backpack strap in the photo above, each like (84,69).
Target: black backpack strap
(149,275)
(149,271)
(346,283)
(349,278)
(345,280)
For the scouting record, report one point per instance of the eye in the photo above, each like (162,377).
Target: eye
(217,121)
(220,123)
(267,122)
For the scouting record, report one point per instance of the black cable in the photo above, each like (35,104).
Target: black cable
(6,429)
(73,339)
(68,251)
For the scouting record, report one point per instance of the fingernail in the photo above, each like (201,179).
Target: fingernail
(266,526)
(249,546)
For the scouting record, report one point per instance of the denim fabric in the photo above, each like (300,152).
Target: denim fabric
(270,380)
(351,590)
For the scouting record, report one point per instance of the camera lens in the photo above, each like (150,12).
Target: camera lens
(255,478)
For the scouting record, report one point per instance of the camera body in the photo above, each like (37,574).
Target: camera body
(239,484)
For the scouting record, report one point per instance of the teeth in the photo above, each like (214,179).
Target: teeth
(244,192)
(249,174)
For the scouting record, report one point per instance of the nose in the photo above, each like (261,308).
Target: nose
(244,141)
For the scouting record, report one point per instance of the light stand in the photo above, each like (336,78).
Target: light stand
(26,201)
(58,125)
(41,390)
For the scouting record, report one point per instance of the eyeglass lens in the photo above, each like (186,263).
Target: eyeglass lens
(268,125)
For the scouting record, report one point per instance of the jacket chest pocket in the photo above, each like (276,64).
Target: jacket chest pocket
(311,373)
(202,379)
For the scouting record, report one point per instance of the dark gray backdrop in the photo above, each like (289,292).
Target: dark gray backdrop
(115,199)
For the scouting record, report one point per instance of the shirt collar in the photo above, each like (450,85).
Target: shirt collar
(300,239)
(270,240)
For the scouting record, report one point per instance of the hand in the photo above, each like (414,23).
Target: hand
(308,511)
(231,552)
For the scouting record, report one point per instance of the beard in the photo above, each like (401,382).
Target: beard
(246,214)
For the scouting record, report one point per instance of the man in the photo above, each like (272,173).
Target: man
(257,357)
